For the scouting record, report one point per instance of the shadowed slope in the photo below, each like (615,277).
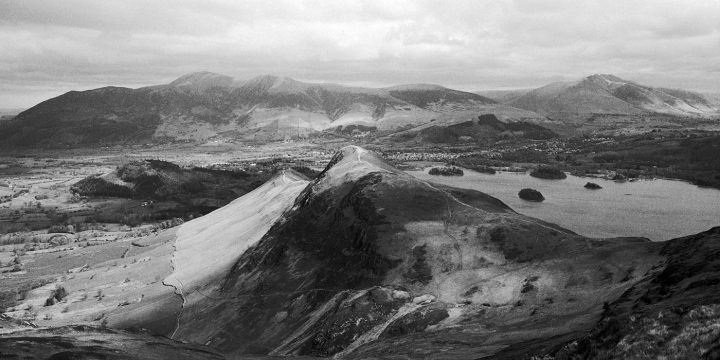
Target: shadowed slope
(674,311)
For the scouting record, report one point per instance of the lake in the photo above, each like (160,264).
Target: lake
(655,209)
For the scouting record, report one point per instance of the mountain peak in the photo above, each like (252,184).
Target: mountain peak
(607,78)
(350,164)
(202,80)
(416,87)
(609,94)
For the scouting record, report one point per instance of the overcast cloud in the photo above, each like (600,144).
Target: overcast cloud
(53,46)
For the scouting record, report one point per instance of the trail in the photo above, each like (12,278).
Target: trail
(178,289)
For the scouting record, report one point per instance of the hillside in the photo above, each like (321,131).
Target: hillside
(673,311)
(172,190)
(608,94)
(202,106)
(366,261)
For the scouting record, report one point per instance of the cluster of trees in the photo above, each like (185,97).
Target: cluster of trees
(446,171)
(547,172)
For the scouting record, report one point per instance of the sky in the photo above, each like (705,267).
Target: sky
(49,47)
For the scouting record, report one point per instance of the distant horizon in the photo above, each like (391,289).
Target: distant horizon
(50,47)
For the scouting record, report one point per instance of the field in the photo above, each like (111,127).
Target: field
(48,232)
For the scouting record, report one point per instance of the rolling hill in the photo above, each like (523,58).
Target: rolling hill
(609,94)
(201,106)
(482,129)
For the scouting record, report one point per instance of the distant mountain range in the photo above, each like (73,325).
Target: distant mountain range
(605,94)
(204,106)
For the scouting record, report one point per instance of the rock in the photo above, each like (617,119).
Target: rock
(423,299)
(399,294)
(531,195)
(417,321)
(59,240)
(592,186)
(79,269)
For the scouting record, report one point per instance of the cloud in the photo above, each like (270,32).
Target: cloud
(48,47)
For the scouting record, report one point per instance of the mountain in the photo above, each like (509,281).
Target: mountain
(204,105)
(608,94)
(713,98)
(366,261)
(371,262)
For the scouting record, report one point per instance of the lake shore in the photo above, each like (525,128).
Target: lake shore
(657,209)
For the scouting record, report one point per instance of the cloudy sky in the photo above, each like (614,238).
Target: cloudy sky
(48,47)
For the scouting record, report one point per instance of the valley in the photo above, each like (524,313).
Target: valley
(359,180)
(401,244)
(217,218)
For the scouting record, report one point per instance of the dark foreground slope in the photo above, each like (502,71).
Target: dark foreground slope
(84,342)
(673,312)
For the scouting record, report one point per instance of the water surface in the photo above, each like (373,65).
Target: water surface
(655,209)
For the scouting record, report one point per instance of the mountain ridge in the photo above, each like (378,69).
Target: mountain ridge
(364,258)
(201,105)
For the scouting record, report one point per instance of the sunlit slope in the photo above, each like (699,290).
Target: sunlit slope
(208,246)
(141,282)
(608,94)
